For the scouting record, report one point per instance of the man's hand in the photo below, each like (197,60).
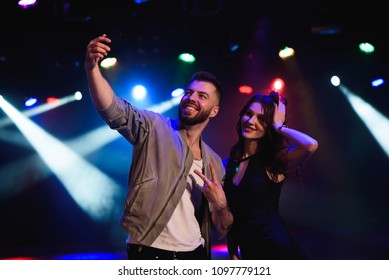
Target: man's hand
(213,190)
(96,50)
(222,218)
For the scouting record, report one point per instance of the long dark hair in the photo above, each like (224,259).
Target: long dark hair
(270,145)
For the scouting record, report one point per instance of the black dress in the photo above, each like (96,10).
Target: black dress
(258,227)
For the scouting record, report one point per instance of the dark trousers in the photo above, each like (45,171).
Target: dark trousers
(271,249)
(141,252)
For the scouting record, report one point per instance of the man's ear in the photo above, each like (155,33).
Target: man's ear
(214,112)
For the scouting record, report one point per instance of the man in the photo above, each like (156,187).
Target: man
(171,204)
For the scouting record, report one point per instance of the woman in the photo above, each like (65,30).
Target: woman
(256,169)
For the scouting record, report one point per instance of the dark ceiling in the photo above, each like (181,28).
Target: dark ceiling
(47,42)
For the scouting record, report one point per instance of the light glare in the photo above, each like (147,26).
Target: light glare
(375,122)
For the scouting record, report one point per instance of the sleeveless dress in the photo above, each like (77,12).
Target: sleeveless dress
(258,227)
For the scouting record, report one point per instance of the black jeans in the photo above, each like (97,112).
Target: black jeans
(141,252)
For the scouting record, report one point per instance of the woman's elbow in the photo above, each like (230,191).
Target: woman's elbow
(313,146)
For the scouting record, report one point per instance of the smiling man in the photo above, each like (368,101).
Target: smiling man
(170,210)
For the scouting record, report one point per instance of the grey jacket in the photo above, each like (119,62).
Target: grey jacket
(161,161)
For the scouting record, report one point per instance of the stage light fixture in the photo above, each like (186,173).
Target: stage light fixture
(30,102)
(27,3)
(187,57)
(245,89)
(52,100)
(335,81)
(286,52)
(178,92)
(78,95)
(108,62)
(377,82)
(366,48)
(139,92)
(234,47)
(278,85)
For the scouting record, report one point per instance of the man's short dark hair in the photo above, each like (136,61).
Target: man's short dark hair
(208,77)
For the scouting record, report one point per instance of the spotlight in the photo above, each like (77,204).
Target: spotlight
(139,92)
(187,57)
(30,102)
(278,85)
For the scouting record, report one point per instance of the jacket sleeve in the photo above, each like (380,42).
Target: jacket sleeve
(132,123)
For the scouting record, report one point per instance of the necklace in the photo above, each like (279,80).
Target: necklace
(246,158)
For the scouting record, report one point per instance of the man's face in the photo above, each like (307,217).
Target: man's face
(198,103)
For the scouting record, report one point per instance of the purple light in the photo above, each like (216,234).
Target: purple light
(27,3)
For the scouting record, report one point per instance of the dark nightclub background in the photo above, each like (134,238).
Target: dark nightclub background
(337,210)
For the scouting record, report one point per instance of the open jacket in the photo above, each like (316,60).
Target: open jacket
(161,161)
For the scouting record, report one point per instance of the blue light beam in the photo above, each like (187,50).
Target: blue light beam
(375,122)
(94,192)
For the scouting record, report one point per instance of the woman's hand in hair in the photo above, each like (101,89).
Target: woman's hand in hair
(279,115)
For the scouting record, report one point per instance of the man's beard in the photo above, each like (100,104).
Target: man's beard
(199,118)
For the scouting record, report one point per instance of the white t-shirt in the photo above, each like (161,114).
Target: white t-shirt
(182,232)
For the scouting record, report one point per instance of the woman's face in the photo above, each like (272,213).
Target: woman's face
(252,122)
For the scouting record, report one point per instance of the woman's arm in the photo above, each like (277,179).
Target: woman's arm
(232,246)
(302,146)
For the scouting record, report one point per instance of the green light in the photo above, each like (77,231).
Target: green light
(286,52)
(366,47)
(108,62)
(186,57)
